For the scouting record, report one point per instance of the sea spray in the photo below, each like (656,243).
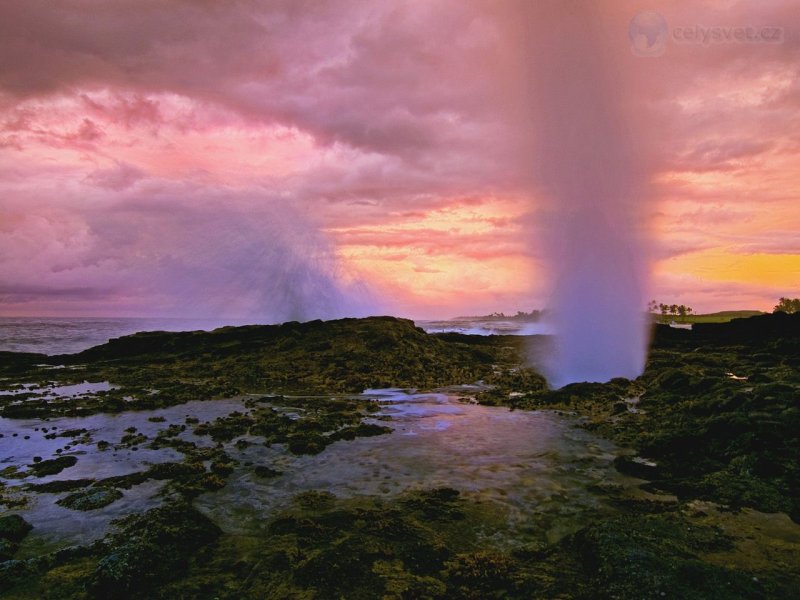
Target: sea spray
(264,263)
(590,178)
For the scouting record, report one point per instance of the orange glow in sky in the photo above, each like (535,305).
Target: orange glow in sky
(391,140)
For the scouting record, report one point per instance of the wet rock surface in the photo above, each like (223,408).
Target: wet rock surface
(91,499)
(716,417)
(290,488)
(13,529)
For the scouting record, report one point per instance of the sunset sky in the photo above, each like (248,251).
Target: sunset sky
(192,157)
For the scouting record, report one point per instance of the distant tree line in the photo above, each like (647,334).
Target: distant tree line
(787,305)
(677,310)
(521,315)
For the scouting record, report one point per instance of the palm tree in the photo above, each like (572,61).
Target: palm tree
(787,305)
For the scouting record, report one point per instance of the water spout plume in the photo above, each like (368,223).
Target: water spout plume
(589,175)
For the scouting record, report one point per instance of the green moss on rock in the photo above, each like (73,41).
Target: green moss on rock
(90,499)
(52,466)
(149,550)
(14,528)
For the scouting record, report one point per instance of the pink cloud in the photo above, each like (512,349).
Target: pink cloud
(133,132)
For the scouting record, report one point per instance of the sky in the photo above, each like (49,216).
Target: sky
(243,159)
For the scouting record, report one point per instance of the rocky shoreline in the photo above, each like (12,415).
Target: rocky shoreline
(712,428)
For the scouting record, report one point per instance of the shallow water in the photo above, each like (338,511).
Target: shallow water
(478,326)
(55,526)
(65,335)
(537,465)
(53,390)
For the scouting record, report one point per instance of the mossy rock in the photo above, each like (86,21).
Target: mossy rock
(175,470)
(481,574)
(640,468)
(149,550)
(90,499)
(14,528)
(266,472)
(125,482)
(360,430)
(657,556)
(59,486)
(439,504)
(315,500)
(423,544)
(737,486)
(65,581)
(222,468)
(307,443)
(7,549)
(52,466)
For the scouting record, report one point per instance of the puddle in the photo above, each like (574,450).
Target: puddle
(55,526)
(53,390)
(537,465)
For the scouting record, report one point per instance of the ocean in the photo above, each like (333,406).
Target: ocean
(62,335)
(486,326)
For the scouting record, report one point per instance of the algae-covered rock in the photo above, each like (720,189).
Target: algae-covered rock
(66,581)
(423,544)
(52,466)
(635,466)
(154,370)
(222,468)
(56,487)
(716,417)
(12,572)
(438,504)
(126,481)
(307,443)
(149,550)
(481,574)
(658,556)
(266,472)
(360,430)
(90,499)
(7,549)
(174,470)
(14,528)
(716,411)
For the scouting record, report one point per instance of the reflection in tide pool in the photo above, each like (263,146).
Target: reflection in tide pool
(55,526)
(55,391)
(537,465)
